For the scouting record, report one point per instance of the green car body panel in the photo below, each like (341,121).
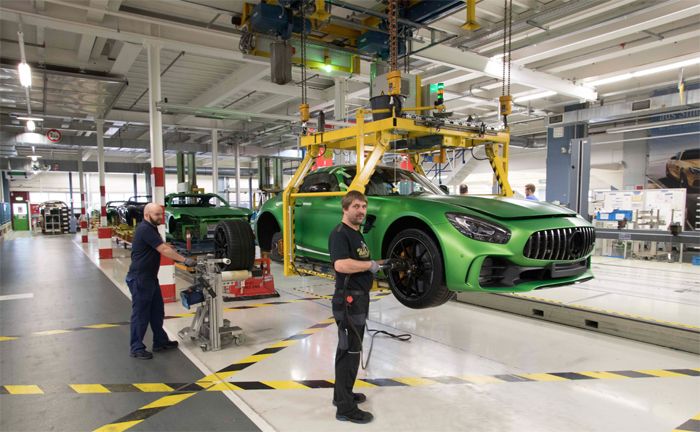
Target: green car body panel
(463,257)
(198,219)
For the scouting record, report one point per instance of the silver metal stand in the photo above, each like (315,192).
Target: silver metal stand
(208,325)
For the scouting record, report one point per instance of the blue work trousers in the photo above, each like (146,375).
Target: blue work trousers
(146,308)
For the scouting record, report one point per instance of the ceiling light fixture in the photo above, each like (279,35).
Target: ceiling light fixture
(31,126)
(644,72)
(25,74)
(533,96)
(654,125)
(25,118)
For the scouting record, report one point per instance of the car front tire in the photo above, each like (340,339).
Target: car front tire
(422,284)
(275,247)
(234,239)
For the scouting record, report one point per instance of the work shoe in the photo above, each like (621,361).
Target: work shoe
(357,397)
(168,345)
(358,416)
(142,355)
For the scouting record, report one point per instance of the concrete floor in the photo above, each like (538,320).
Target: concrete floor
(459,367)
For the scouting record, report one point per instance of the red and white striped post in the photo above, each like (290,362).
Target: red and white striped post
(83,220)
(104,233)
(166,274)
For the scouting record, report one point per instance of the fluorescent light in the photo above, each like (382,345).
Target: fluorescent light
(25,74)
(36,119)
(31,126)
(654,125)
(34,157)
(644,72)
(539,95)
(111,131)
(328,68)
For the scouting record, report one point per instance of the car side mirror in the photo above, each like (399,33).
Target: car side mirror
(445,189)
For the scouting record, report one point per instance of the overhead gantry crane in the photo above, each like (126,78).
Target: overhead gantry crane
(396,132)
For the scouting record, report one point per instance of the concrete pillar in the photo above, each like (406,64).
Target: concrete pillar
(215,161)
(104,233)
(238,175)
(136,184)
(83,218)
(339,108)
(166,274)
(634,154)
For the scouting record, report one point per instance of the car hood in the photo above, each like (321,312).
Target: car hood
(209,212)
(504,208)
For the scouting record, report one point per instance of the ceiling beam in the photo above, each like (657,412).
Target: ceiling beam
(126,58)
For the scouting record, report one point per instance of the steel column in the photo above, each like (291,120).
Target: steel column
(83,220)
(215,161)
(238,175)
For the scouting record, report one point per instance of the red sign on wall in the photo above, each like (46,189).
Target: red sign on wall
(54,135)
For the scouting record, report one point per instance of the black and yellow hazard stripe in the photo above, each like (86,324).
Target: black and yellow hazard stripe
(215,382)
(692,425)
(167,317)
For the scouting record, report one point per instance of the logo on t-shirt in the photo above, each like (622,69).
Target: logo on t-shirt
(363,252)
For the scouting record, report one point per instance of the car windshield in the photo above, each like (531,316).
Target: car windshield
(691,154)
(388,181)
(197,201)
(140,199)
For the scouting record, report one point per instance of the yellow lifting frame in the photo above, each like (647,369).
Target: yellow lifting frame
(371,140)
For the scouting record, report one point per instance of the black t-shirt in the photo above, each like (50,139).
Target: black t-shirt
(346,242)
(145,258)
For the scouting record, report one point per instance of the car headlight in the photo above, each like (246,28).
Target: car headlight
(479,229)
(694,170)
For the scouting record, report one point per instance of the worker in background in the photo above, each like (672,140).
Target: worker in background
(463,189)
(350,258)
(530,192)
(146,299)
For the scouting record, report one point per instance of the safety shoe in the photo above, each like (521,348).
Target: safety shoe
(358,416)
(142,355)
(168,345)
(357,397)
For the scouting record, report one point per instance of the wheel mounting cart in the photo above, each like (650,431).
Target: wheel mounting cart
(208,325)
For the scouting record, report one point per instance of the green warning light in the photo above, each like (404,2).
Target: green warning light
(433,88)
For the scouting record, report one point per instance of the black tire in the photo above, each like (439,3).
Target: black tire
(234,239)
(275,254)
(172,227)
(684,180)
(422,286)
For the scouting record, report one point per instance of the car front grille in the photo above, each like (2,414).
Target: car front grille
(560,244)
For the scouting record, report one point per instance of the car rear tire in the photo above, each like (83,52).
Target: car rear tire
(275,247)
(234,239)
(422,285)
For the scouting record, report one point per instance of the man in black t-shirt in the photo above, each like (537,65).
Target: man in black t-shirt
(354,272)
(146,299)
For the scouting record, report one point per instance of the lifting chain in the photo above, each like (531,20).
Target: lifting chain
(304,107)
(506,99)
(393,35)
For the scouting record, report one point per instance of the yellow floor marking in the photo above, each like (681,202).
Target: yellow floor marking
(184,315)
(602,375)
(543,377)
(167,401)
(153,387)
(257,305)
(90,388)
(360,383)
(23,389)
(254,358)
(285,385)
(312,331)
(118,427)
(101,326)
(662,373)
(282,344)
(7,338)
(481,379)
(215,378)
(223,386)
(328,321)
(415,382)
(50,332)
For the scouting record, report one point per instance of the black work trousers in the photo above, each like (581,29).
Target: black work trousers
(347,363)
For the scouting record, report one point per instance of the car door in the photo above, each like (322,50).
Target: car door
(316,217)
(674,166)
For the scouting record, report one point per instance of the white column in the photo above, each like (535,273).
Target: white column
(215,161)
(166,273)
(238,175)
(340,109)
(99,129)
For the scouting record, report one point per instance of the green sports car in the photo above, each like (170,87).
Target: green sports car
(448,243)
(198,214)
